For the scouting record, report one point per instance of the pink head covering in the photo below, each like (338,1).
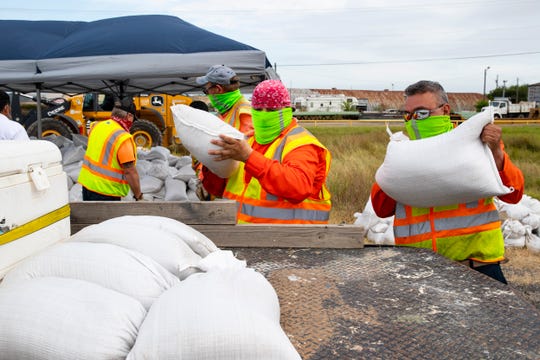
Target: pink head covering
(270,94)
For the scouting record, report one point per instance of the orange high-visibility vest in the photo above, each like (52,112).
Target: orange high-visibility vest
(255,205)
(101,172)
(232,116)
(459,232)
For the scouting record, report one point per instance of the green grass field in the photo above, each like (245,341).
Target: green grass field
(358,151)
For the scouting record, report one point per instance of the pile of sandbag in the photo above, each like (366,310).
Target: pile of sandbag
(139,287)
(520,224)
(163,176)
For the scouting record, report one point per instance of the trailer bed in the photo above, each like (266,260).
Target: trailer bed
(394,303)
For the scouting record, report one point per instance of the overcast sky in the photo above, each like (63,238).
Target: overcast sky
(361,45)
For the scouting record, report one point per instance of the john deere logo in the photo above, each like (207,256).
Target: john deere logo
(157,100)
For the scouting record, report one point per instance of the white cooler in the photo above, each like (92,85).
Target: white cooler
(34,202)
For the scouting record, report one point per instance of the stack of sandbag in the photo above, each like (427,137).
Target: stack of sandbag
(139,287)
(374,229)
(163,176)
(521,223)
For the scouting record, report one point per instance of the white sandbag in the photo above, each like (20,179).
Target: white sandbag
(198,242)
(451,168)
(72,170)
(381,238)
(66,319)
(531,203)
(143,167)
(150,184)
(532,241)
(113,267)
(183,161)
(185,173)
(512,211)
(226,315)
(75,193)
(196,128)
(175,190)
(159,169)
(155,152)
(163,246)
(513,233)
(532,220)
(220,260)
(192,195)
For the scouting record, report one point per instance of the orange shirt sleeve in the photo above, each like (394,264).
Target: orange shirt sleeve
(246,124)
(125,153)
(512,176)
(300,175)
(383,205)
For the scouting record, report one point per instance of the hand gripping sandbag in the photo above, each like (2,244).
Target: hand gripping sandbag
(196,128)
(451,168)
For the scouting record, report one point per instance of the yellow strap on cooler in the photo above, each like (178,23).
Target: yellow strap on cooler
(35,225)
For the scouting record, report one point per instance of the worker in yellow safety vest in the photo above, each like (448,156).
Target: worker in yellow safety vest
(283,167)
(469,233)
(108,171)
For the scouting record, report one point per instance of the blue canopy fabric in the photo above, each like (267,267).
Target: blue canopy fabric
(130,54)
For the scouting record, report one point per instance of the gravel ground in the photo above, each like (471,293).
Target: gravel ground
(523,273)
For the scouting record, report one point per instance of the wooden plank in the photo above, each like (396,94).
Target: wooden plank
(284,236)
(217,220)
(189,212)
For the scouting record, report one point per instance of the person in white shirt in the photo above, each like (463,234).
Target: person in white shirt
(9,129)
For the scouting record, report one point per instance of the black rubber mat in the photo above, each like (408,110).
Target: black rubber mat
(394,303)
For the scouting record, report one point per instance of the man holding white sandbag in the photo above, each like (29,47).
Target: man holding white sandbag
(468,232)
(282,171)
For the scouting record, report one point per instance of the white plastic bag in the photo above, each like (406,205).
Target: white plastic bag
(196,128)
(451,168)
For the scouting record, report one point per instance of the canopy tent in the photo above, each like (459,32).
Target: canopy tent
(132,54)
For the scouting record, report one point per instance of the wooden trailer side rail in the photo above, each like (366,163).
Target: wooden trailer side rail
(217,221)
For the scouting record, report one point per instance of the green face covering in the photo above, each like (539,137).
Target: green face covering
(432,126)
(269,124)
(223,102)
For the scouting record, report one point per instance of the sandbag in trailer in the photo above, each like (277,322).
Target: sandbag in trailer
(65,319)
(34,202)
(452,168)
(230,314)
(151,238)
(113,267)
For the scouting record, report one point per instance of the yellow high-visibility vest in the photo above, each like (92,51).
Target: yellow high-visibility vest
(101,172)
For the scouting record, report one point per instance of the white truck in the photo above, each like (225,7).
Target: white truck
(503,108)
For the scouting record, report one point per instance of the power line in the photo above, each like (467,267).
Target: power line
(415,60)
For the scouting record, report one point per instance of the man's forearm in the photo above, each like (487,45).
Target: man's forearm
(132,178)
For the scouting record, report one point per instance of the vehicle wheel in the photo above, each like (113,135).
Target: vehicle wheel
(497,116)
(50,126)
(146,134)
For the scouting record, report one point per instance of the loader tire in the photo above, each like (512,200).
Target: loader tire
(146,134)
(50,126)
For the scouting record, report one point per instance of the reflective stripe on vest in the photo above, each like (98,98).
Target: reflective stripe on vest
(256,205)
(233,115)
(464,231)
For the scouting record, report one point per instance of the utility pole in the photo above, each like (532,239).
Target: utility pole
(485,73)
(517,90)
(504,87)
(497,82)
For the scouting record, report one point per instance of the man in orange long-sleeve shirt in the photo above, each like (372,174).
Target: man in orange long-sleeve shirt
(283,168)
(470,233)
